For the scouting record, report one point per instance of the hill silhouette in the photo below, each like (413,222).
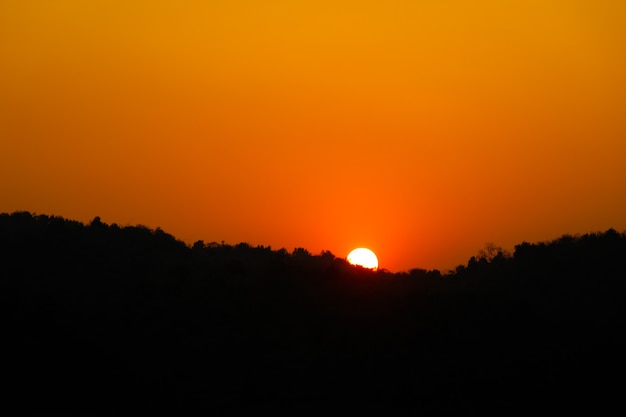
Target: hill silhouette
(104,319)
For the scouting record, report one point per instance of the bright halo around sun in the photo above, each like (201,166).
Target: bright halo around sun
(363,257)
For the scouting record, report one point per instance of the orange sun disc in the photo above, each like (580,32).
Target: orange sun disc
(363,257)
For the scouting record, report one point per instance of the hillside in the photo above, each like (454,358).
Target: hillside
(106,319)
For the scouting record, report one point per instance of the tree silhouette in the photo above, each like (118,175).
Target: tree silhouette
(107,318)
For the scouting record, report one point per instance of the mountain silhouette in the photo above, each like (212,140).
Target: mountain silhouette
(104,319)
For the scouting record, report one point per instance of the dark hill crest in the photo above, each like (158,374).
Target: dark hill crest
(106,318)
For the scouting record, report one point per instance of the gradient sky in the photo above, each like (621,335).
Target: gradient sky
(419,129)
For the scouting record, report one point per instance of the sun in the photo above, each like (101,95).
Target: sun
(363,257)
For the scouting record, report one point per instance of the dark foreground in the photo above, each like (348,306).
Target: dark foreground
(99,319)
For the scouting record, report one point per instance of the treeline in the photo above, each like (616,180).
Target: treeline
(106,319)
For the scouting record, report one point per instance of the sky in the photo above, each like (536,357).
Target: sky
(419,129)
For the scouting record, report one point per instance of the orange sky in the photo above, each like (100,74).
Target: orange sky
(421,130)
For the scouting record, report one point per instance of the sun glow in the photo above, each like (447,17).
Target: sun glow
(363,257)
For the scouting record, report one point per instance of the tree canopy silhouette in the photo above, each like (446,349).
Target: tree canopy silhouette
(106,318)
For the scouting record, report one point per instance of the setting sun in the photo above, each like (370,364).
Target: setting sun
(363,257)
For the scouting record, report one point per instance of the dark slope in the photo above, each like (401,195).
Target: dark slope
(103,319)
